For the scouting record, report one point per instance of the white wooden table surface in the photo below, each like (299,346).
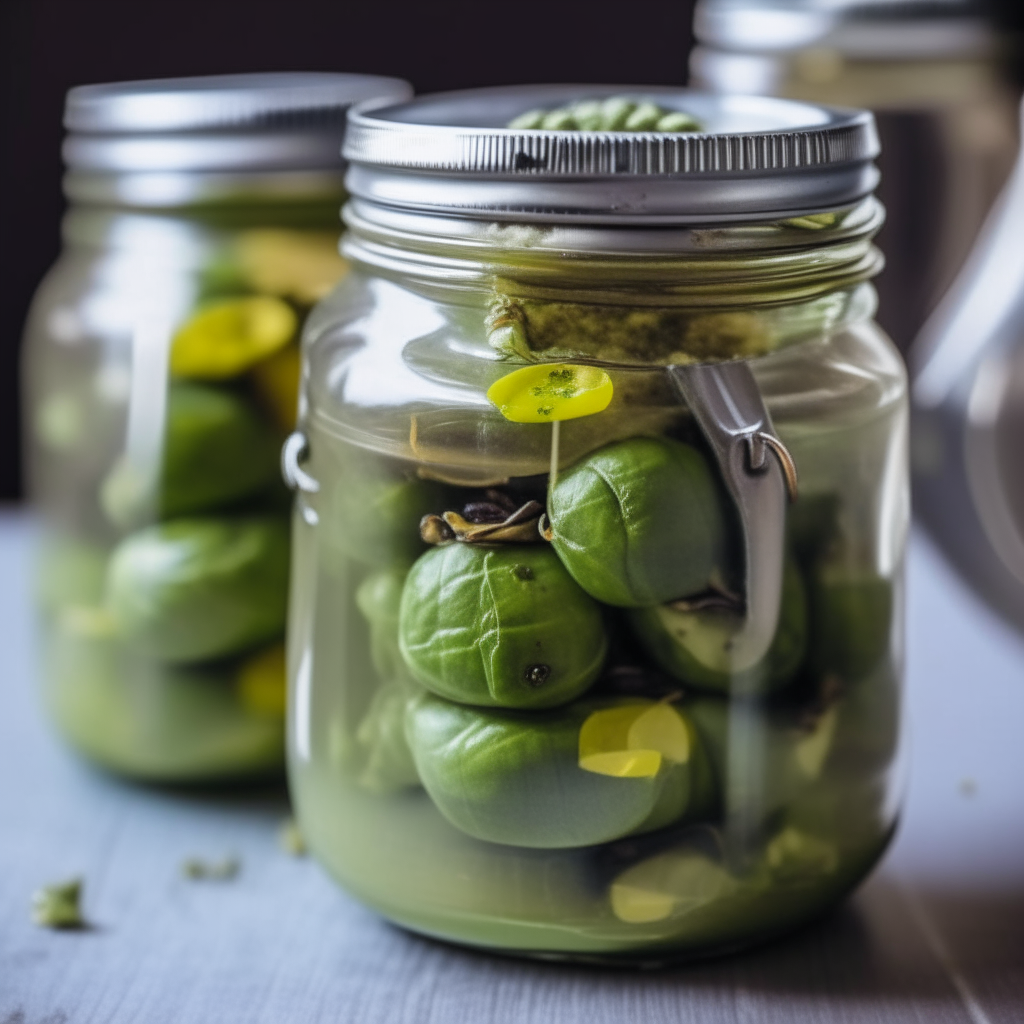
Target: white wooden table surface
(936,936)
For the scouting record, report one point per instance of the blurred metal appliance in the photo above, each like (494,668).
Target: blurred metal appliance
(929,71)
(968,394)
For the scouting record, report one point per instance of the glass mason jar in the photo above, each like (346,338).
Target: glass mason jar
(946,115)
(161,373)
(595,641)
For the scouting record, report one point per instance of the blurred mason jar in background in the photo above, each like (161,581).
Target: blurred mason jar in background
(161,367)
(968,392)
(931,71)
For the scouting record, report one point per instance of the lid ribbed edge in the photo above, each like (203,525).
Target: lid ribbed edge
(494,151)
(223,102)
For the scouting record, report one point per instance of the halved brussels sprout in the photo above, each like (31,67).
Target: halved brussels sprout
(695,645)
(196,589)
(766,765)
(216,450)
(499,627)
(587,773)
(639,522)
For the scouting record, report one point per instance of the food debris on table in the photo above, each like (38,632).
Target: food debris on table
(219,871)
(291,839)
(59,905)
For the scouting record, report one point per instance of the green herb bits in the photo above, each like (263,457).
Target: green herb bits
(615,114)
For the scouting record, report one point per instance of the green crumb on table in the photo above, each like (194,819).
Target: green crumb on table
(58,906)
(213,870)
(291,839)
(614,114)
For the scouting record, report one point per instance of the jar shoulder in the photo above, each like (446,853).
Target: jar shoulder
(379,354)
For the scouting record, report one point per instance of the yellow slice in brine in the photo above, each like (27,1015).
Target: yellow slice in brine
(226,338)
(631,742)
(277,384)
(302,265)
(261,684)
(661,728)
(550,392)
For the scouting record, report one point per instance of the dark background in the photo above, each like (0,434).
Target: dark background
(47,46)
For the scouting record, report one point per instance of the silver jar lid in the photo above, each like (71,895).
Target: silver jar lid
(873,29)
(225,123)
(756,158)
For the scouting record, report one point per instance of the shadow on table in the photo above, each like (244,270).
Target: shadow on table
(875,946)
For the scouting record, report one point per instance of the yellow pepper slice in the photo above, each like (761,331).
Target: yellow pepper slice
(548,392)
(261,685)
(303,265)
(640,906)
(226,338)
(661,728)
(608,729)
(623,764)
(631,742)
(276,380)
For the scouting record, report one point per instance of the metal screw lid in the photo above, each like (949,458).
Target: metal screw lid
(757,157)
(895,29)
(279,121)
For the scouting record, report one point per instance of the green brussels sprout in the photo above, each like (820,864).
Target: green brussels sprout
(69,572)
(376,521)
(639,522)
(852,618)
(868,729)
(787,755)
(202,588)
(216,450)
(163,723)
(812,524)
(379,598)
(499,627)
(389,762)
(695,646)
(588,773)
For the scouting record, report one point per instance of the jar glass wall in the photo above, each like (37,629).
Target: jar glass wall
(161,375)
(519,714)
(164,556)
